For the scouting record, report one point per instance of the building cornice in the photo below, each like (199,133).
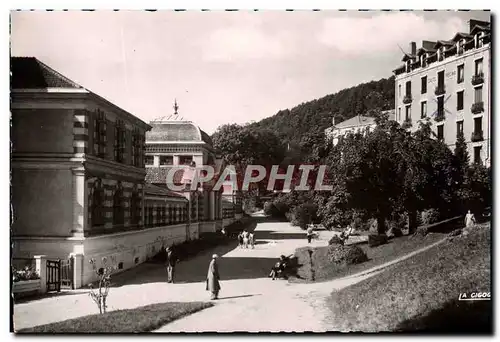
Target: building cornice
(107,166)
(68,98)
(442,63)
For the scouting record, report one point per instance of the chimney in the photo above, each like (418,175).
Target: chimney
(474,22)
(413,48)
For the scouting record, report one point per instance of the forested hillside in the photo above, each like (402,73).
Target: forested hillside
(315,116)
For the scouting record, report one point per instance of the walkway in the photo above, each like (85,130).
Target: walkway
(249,300)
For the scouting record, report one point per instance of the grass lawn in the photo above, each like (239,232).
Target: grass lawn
(323,270)
(142,319)
(421,293)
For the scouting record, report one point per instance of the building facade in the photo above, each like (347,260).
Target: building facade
(78,177)
(175,142)
(449,82)
(357,124)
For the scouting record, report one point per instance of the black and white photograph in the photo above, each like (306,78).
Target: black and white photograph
(250,171)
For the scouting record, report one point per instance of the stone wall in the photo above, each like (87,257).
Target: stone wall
(41,202)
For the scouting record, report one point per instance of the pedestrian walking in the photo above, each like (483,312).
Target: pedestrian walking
(470,220)
(251,239)
(310,232)
(171,261)
(213,278)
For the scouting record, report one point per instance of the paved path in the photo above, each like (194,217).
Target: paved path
(249,300)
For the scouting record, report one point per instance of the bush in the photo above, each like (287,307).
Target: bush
(269,208)
(280,207)
(27,273)
(335,240)
(303,214)
(375,240)
(348,255)
(429,216)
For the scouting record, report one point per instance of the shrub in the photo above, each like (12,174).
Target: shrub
(429,216)
(281,207)
(27,273)
(269,208)
(303,214)
(375,240)
(348,255)
(335,240)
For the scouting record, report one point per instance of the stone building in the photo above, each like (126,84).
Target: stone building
(175,142)
(356,124)
(78,177)
(449,81)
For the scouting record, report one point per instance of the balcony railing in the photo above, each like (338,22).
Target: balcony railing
(439,116)
(407,99)
(440,90)
(477,136)
(477,79)
(477,107)
(406,124)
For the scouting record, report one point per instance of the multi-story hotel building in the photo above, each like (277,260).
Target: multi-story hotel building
(449,82)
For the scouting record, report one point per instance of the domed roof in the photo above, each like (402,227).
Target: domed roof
(174,128)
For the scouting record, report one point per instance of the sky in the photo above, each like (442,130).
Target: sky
(224,67)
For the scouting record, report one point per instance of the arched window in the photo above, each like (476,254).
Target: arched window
(118,206)
(97,215)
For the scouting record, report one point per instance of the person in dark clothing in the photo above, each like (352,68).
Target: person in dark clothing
(279,268)
(170,263)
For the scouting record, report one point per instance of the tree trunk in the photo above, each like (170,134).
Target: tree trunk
(412,222)
(380,224)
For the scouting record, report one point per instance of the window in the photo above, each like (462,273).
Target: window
(424,85)
(97,214)
(150,217)
(118,207)
(478,67)
(479,40)
(159,218)
(137,148)
(478,94)
(460,46)
(408,113)
(120,141)
(399,90)
(460,127)
(460,74)
(166,160)
(477,155)
(460,100)
(423,109)
(478,125)
(135,207)
(441,79)
(423,58)
(408,88)
(440,106)
(440,132)
(399,114)
(150,160)
(100,134)
(185,160)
